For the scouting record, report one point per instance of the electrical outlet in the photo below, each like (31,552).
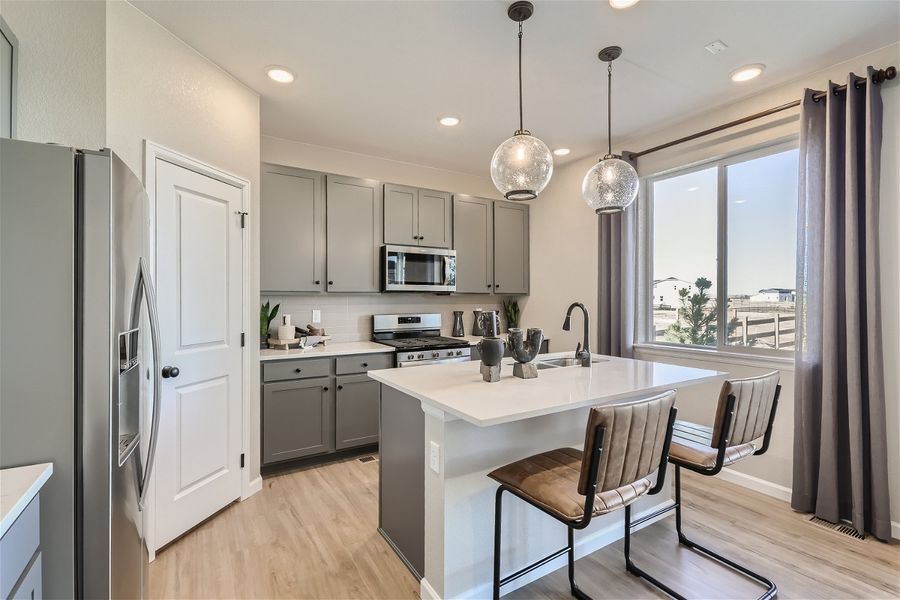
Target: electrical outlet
(434,460)
(316,316)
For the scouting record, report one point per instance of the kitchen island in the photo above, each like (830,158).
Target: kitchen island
(443,429)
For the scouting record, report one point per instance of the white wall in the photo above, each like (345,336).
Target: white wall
(561,226)
(162,90)
(61,71)
(341,162)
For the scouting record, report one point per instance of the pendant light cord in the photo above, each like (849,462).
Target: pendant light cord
(609,107)
(521,120)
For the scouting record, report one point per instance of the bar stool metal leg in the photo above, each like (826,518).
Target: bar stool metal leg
(634,569)
(771,588)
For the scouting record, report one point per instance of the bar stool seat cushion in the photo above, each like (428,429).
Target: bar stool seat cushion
(550,480)
(692,445)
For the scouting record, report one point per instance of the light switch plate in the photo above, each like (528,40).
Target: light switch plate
(434,459)
(316,316)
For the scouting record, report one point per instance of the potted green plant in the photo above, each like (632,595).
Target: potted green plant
(512,313)
(266,317)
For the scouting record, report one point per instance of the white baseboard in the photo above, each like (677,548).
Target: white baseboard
(587,545)
(426,592)
(776,491)
(253,486)
(755,483)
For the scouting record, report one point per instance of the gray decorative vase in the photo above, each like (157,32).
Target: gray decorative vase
(491,350)
(458,330)
(476,325)
(524,349)
(490,323)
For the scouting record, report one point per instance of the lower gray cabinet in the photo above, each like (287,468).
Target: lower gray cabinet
(356,411)
(298,419)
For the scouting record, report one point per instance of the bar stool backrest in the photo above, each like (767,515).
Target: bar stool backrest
(754,398)
(635,435)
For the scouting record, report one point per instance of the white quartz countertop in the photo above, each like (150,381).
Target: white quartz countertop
(18,487)
(459,390)
(332,349)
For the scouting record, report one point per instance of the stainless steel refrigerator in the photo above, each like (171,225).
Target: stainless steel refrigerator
(79,382)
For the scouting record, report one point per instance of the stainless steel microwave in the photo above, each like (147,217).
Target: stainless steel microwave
(416,269)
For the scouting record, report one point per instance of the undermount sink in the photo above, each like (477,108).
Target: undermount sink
(563,361)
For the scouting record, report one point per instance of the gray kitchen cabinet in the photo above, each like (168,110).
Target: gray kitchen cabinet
(357,398)
(354,233)
(473,240)
(511,261)
(417,217)
(292,230)
(298,419)
(20,555)
(400,208)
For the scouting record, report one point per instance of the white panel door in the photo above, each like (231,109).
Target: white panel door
(199,279)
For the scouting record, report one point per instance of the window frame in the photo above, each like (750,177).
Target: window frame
(644,329)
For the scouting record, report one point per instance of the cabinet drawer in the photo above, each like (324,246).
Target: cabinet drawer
(362,363)
(296,369)
(18,546)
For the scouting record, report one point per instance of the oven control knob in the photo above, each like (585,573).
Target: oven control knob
(410,356)
(459,352)
(435,355)
(421,356)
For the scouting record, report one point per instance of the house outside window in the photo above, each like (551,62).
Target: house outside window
(719,254)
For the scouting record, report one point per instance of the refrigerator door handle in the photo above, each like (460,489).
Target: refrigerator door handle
(144,289)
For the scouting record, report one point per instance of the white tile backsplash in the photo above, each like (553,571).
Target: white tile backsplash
(348,317)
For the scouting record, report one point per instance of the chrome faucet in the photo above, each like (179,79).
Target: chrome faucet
(583,350)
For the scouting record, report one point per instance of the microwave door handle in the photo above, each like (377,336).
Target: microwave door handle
(144,289)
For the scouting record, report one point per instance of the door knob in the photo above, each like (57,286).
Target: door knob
(168,372)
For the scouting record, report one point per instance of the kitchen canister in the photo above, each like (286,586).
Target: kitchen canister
(476,325)
(286,330)
(458,329)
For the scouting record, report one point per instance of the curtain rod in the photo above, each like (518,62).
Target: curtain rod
(877,77)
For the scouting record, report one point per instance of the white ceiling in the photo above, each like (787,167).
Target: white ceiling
(373,77)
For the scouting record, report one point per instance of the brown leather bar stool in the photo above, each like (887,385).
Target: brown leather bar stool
(624,445)
(742,428)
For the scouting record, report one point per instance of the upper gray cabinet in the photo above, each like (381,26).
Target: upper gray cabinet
(292,228)
(417,217)
(511,261)
(354,234)
(473,240)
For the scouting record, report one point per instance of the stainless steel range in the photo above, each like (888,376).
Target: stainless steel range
(418,340)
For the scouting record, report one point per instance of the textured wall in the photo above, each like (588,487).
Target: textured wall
(61,71)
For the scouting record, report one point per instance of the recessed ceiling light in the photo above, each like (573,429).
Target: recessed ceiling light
(747,72)
(449,121)
(561,151)
(693,188)
(279,74)
(620,4)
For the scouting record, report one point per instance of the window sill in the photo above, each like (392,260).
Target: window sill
(782,363)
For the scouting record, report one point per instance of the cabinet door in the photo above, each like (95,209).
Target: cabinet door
(354,234)
(356,411)
(400,207)
(292,230)
(510,248)
(298,419)
(434,219)
(473,240)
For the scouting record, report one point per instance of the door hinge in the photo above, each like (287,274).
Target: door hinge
(243,339)
(243,217)
(242,460)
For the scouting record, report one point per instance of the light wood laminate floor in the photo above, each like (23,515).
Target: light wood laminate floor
(312,534)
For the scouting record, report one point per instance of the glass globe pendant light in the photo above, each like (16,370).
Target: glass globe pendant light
(612,184)
(522,165)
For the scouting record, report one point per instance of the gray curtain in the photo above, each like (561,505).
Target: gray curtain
(840,446)
(616,283)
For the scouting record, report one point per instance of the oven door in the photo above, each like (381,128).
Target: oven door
(414,269)
(436,361)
